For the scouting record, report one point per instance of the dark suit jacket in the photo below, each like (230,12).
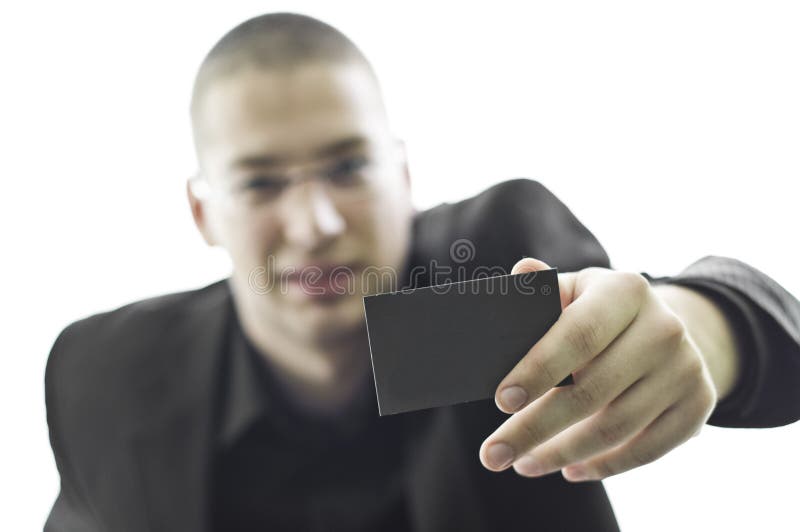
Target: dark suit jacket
(131,392)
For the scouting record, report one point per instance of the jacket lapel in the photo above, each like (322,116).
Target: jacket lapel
(174,447)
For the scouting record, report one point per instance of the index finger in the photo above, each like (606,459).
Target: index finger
(605,306)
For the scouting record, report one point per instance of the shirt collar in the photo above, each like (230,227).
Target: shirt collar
(249,396)
(244,393)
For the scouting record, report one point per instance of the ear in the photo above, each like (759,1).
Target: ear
(199,215)
(403,154)
(404,160)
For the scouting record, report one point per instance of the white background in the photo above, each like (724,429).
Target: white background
(671,129)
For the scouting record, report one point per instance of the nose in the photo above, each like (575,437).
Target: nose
(310,217)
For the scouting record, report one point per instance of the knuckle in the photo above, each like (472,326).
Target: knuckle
(585,395)
(541,369)
(636,283)
(604,469)
(556,459)
(584,336)
(589,272)
(710,398)
(701,394)
(696,367)
(694,371)
(534,434)
(706,399)
(642,455)
(612,433)
(671,330)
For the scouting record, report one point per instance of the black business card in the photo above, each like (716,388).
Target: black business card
(454,343)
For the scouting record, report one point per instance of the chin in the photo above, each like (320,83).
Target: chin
(331,319)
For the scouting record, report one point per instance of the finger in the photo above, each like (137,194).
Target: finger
(529,264)
(566,281)
(669,430)
(585,328)
(595,386)
(619,421)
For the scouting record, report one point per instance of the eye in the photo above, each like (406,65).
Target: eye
(263,185)
(347,171)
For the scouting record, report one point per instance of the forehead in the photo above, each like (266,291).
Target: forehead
(287,113)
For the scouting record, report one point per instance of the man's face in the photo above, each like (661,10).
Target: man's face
(306,185)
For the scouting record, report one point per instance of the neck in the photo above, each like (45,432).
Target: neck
(321,377)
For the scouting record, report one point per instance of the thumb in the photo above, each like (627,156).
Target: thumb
(566,281)
(529,264)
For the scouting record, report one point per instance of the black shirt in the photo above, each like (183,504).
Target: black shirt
(281,469)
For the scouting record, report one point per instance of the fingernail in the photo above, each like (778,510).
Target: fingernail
(499,455)
(527,465)
(513,397)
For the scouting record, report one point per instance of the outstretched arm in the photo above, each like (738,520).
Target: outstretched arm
(650,366)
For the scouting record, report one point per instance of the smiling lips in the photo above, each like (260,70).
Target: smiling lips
(323,281)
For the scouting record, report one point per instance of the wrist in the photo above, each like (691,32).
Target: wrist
(710,330)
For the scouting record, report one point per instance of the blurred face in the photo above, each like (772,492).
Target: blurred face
(307,191)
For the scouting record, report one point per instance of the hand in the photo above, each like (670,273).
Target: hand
(641,386)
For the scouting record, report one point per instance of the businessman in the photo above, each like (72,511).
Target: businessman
(235,407)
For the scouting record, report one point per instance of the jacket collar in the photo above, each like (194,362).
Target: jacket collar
(174,447)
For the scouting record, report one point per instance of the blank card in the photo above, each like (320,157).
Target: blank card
(454,343)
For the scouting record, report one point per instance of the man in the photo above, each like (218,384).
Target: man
(248,404)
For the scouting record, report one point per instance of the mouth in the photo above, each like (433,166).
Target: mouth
(323,282)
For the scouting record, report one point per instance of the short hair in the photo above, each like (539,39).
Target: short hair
(279,41)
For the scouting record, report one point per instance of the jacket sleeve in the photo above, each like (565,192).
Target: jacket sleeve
(71,511)
(766,321)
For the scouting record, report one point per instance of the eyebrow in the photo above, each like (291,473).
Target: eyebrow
(334,148)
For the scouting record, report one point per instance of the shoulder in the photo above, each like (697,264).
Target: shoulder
(496,198)
(467,218)
(128,318)
(501,206)
(509,220)
(111,343)
(514,191)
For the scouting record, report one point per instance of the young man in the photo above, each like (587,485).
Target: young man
(248,404)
